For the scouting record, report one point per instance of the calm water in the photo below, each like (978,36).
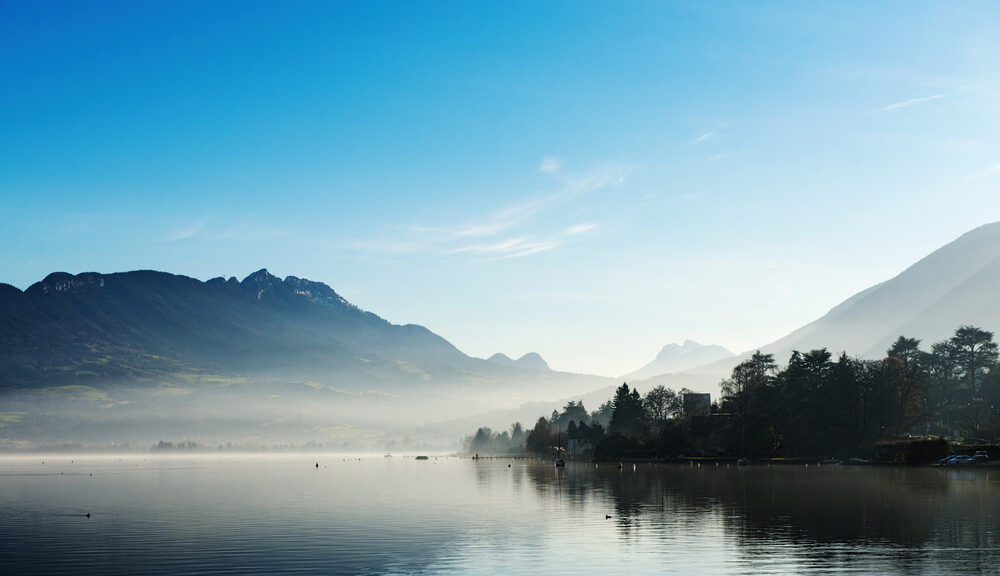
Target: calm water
(281,515)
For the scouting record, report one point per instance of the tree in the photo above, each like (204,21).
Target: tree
(517,434)
(572,412)
(539,439)
(804,421)
(660,404)
(975,353)
(486,442)
(743,389)
(602,416)
(628,416)
(907,350)
(941,382)
(991,395)
(894,384)
(749,375)
(911,405)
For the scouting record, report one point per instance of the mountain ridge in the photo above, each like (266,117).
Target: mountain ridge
(531,360)
(216,324)
(868,322)
(951,286)
(675,357)
(149,354)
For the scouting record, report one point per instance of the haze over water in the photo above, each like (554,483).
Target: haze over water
(216,514)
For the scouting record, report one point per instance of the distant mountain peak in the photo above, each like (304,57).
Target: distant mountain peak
(65,282)
(261,276)
(673,350)
(501,358)
(530,360)
(678,357)
(260,281)
(533,360)
(317,292)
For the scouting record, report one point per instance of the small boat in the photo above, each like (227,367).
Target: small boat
(559,450)
(422,458)
(743,461)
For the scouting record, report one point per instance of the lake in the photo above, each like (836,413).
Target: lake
(279,514)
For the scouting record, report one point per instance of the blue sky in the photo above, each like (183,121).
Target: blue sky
(586,180)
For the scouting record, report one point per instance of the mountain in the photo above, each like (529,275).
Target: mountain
(102,328)
(148,355)
(953,286)
(531,360)
(679,357)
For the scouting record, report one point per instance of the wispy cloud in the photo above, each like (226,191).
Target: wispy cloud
(249,232)
(516,214)
(504,246)
(579,229)
(183,233)
(550,165)
(215,227)
(512,248)
(907,103)
(466,230)
(530,249)
(704,137)
(511,231)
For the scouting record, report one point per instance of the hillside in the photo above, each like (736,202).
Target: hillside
(954,285)
(140,355)
(103,328)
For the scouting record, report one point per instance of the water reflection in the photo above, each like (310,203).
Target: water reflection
(277,515)
(923,519)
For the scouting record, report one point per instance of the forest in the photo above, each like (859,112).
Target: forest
(817,405)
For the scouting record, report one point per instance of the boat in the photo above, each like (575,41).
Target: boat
(559,449)
(744,461)
(422,458)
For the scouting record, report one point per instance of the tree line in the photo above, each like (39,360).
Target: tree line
(817,405)
(820,405)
